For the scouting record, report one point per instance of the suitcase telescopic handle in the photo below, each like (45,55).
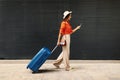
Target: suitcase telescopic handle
(54,48)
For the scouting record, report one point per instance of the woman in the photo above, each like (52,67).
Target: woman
(64,35)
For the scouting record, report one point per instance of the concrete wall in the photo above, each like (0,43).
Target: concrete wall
(28,25)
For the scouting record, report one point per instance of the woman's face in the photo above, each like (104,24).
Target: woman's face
(70,16)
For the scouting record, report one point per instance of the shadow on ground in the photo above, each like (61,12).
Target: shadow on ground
(46,71)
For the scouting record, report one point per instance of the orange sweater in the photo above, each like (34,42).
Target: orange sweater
(65,28)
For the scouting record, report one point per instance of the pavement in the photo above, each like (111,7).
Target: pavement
(81,70)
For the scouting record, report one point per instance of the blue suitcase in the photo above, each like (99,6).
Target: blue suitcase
(39,59)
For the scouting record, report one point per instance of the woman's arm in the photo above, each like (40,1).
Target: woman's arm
(62,27)
(59,37)
(74,30)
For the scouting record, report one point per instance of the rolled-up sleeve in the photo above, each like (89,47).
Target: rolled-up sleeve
(62,28)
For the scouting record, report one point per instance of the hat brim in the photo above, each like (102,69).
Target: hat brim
(67,14)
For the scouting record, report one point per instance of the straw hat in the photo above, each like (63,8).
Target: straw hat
(66,13)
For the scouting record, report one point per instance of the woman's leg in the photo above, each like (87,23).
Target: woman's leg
(64,56)
(66,52)
(59,60)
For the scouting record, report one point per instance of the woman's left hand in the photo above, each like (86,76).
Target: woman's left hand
(78,27)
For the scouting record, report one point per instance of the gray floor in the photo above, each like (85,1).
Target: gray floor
(81,70)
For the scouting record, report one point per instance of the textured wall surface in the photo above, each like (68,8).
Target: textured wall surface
(28,25)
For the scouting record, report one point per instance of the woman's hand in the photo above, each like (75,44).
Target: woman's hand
(78,27)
